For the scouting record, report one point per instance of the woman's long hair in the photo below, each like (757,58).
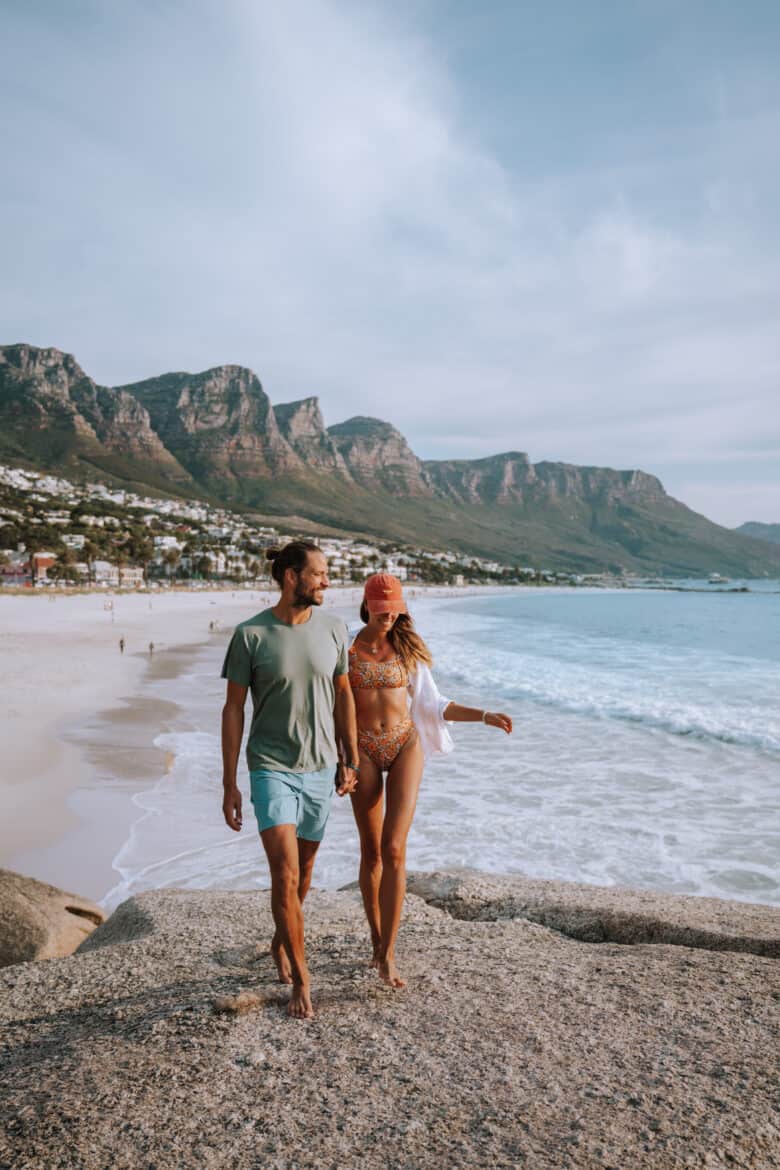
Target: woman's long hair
(404,639)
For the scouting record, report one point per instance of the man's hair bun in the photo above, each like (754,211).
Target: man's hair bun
(293,556)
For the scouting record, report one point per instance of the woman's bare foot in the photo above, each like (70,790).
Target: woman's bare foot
(282,962)
(376,957)
(299,1006)
(389,973)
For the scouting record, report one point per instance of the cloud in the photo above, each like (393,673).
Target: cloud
(298,188)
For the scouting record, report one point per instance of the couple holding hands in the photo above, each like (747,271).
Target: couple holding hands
(362,703)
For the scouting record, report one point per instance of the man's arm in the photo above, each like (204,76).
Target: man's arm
(346,734)
(232,733)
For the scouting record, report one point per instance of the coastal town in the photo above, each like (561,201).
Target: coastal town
(56,532)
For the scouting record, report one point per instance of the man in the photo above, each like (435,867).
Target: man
(294,659)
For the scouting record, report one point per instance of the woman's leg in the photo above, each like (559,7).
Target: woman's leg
(367,807)
(403,784)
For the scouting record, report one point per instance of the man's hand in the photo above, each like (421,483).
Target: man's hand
(231,808)
(346,780)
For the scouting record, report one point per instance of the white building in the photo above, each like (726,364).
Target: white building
(105,573)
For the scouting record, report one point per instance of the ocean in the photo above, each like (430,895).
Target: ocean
(645,753)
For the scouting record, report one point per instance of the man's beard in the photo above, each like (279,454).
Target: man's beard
(303,600)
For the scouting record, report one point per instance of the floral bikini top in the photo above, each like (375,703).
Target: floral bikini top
(374,676)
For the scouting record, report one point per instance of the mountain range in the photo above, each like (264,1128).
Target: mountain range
(216,435)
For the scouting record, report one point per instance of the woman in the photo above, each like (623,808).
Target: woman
(389,663)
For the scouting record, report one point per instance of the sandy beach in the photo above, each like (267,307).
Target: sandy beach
(78,738)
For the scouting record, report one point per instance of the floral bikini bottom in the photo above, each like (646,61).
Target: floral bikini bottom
(384,747)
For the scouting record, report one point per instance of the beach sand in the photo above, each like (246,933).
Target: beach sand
(78,737)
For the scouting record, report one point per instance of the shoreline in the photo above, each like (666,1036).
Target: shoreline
(67,786)
(51,777)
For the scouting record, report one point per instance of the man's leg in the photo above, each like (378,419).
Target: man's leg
(307,851)
(281,847)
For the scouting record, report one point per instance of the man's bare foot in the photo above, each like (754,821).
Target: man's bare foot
(281,960)
(389,973)
(299,1006)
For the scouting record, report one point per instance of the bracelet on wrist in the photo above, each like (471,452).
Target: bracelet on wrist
(484,716)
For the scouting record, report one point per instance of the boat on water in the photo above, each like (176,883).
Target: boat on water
(717,579)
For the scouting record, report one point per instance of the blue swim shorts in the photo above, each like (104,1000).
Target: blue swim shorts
(293,798)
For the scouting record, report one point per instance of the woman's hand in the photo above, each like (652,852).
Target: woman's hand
(496,719)
(346,779)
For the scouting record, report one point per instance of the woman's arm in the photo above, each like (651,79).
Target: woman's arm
(454,713)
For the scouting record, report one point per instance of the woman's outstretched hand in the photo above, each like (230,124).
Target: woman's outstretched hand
(496,719)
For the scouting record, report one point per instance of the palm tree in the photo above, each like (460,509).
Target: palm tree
(121,561)
(171,558)
(90,551)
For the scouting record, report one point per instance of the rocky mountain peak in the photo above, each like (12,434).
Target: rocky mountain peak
(378,455)
(49,401)
(52,371)
(302,425)
(301,419)
(219,423)
(500,479)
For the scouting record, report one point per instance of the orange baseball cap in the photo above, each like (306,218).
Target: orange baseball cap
(383,593)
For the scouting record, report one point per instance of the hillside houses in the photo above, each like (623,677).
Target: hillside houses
(52,530)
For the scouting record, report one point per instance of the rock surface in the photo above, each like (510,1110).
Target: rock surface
(600,914)
(38,921)
(164,1043)
(303,427)
(52,412)
(218,424)
(378,455)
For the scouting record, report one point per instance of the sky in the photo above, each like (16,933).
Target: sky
(546,226)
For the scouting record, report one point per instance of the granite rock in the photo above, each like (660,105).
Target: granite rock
(604,913)
(38,921)
(164,1042)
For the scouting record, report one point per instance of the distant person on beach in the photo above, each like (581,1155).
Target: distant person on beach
(151,647)
(401,720)
(294,658)
(121,645)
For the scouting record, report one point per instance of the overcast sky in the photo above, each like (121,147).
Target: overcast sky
(546,226)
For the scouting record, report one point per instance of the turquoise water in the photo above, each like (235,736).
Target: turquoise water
(700,664)
(646,750)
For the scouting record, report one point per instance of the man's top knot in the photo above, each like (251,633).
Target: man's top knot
(293,556)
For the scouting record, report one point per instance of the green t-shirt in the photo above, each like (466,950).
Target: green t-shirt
(290,670)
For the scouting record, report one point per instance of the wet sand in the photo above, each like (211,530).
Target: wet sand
(77,732)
